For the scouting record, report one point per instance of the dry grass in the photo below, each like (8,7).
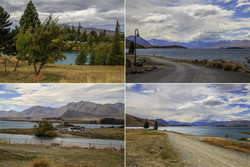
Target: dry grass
(18,155)
(120,130)
(53,73)
(233,145)
(148,148)
(97,135)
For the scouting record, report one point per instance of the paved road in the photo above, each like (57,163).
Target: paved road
(173,72)
(195,153)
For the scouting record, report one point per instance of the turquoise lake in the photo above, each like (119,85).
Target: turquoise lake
(71,57)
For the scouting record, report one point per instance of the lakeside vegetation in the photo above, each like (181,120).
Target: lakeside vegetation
(35,46)
(152,150)
(232,145)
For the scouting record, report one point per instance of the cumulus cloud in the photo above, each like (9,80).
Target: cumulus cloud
(187,102)
(56,95)
(182,20)
(89,13)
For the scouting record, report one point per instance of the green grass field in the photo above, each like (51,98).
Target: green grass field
(52,73)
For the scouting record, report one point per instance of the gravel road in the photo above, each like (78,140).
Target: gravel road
(195,153)
(173,72)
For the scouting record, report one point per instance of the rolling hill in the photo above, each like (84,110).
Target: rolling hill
(135,121)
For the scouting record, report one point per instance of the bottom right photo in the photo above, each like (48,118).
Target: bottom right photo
(188,125)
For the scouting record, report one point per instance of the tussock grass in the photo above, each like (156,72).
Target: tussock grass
(53,73)
(149,148)
(17,131)
(41,163)
(233,145)
(19,155)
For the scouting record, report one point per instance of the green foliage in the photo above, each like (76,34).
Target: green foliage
(131,47)
(29,17)
(6,36)
(44,45)
(146,124)
(111,121)
(156,125)
(100,54)
(81,58)
(116,56)
(22,43)
(44,129)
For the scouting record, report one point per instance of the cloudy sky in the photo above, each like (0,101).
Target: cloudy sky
(188,20)
(90,13)
(189,102)
(22,96)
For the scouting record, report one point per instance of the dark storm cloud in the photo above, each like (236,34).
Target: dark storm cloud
(214,102)
(89,12)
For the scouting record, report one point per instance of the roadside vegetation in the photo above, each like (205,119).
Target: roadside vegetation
(232,145)
(149,148)
(28,50)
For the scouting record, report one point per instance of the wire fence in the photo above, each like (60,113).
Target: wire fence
(63,144)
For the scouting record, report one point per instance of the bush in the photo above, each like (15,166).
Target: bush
(41,163)
(44,129)
(146,125)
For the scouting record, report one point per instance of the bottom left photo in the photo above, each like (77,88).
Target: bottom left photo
(61,125)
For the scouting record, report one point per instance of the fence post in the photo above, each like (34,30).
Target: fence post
(41,142)
(89,145)
(9,140)
(61,144)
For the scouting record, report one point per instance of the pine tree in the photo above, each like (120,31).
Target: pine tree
(156,125)
(116,56)
(146,124)
(81,58)
(5,34)
(29,17)
(84,36)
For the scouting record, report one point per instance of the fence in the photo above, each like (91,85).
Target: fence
(69,144)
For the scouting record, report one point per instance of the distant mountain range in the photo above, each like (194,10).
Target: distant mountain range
(191,44)
(238,123)
(89,29)
(201,44)
(80,109)
(136,121)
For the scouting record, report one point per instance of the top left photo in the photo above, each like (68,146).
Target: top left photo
(62,41)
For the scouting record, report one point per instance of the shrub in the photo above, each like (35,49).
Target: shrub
(44,129)
(81,58)
(41,163)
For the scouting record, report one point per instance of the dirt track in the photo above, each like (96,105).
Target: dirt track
(173,72)
(195,153)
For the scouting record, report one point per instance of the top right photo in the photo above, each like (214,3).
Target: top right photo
(181,41)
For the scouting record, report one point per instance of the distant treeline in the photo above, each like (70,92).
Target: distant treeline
(112,121)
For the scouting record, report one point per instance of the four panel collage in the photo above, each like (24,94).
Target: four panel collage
(124,83)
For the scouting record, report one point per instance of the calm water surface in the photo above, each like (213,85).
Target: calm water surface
(207,130)
(26,125)
(235,55)
(71,57)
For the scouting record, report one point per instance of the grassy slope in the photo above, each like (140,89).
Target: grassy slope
(23,155)
(52,73)
(143,149)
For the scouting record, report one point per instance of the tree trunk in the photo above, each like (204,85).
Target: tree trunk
(35,69)
(41,66)
(16,64)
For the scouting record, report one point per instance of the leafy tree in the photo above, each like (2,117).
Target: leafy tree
(131,47)
(82,57)
(45,44)
(101,53)
(5,34)
(146,124)
(29,17)
(156,125)
(116,57)
(44,129)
